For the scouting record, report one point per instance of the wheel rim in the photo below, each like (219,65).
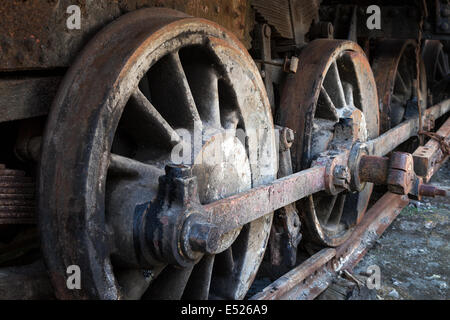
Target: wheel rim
(394,68)
(339,70)
(79,222)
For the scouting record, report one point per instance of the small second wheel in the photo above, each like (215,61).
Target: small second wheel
(333,89)
(395,70)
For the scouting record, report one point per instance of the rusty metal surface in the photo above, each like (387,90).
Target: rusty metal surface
(303,13)
(397,172)
(374,223)
(247,206)
(374,169)
(17,204)
(291,19)
(304,282)
(42,39)
(429,158)
(389,140)
(26,97)
(286,226)
(263,35)
(387,56)
(438,110)
(277,13)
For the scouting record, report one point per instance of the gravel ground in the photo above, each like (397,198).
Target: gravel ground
(413,253)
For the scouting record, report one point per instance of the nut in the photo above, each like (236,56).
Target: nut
(204,237)
(341,176)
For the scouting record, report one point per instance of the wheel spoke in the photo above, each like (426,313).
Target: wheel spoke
(396,99)
(171,94)
(230,120)
(128,166)
(152,118)
(144,86)
(181,80)
(337,211)
(334,86)
(397,113)
(134,282)
(440,68)
(203,82)
(170,284)
(400,85)
(325,106)
(200,280)
(328,209)
(348,89)
(445,63)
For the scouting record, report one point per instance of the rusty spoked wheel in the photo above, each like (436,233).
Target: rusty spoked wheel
(331,102)
(394,67)
(436,62)
(437,69)
(141,87)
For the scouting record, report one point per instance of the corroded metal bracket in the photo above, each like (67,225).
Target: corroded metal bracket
(428,158)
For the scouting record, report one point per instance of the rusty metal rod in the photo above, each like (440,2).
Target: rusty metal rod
(250,205)
(289,286)
(372,225)
(374,169)
(240,209)
(391,139)
(429,158)
(438,110)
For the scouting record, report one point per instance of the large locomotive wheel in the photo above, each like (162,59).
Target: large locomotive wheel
(333,88)
(394,67)
(145,80)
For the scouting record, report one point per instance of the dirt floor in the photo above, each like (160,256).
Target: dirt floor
(413,253)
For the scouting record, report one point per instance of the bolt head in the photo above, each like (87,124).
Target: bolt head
(204,237)
(341,172)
